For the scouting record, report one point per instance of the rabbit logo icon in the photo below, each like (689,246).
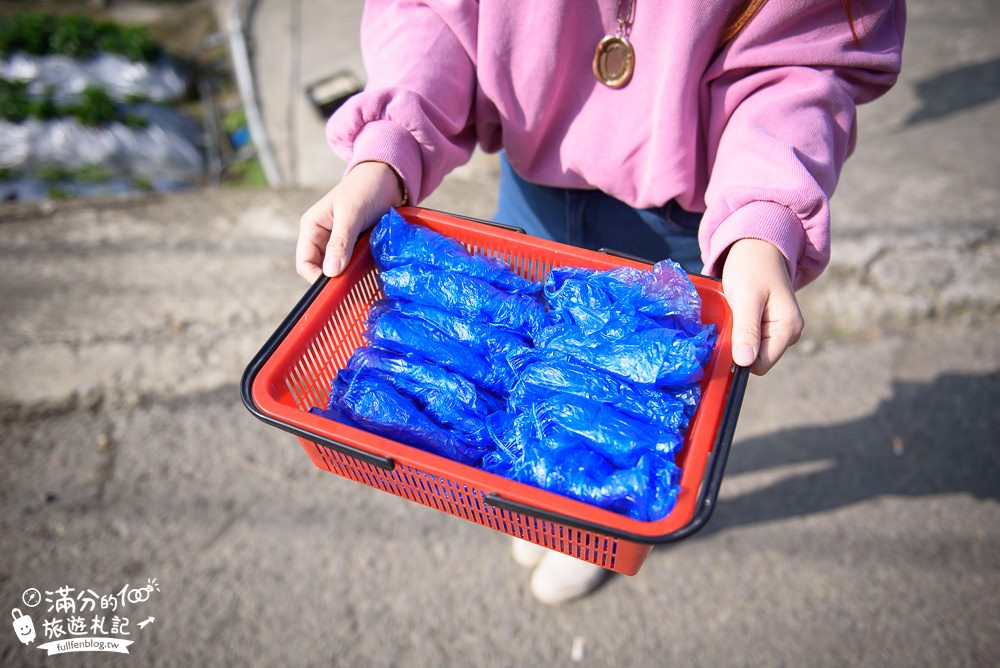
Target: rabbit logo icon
(23,626)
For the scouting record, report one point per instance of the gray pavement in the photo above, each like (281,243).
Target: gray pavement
(859,524)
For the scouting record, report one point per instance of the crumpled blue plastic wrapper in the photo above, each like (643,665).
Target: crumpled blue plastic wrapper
(407,335)
(646,491)
(464,296)
(541,374)
(567,421)
(445,397)
(591,452)
(662,357)
(493,343)
(584,386)
(397,243)
(494,340)
(374,404)
(624,298)
(644,326)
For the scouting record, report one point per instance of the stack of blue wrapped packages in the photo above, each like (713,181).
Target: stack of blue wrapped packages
(583,386)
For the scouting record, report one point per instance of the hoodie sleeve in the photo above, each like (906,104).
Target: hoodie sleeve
(780,117)
(415,112)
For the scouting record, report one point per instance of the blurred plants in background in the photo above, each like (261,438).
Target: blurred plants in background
(244,169)
(74,35)
(91,107)
(94,108)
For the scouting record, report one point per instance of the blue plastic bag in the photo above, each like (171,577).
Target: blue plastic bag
(657,356)
(411,336)
(640,325)
(396,243)
(374,404)
(645,491)
(568,420)
(541,374)
(663,297)
(492,341)
(445,397)
(465,297)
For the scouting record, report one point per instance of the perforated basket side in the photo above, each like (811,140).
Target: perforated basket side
(468,502)
(310,377)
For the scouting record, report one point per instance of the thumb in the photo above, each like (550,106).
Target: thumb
(338,250)
(362,197)
(748,308)
(343,235)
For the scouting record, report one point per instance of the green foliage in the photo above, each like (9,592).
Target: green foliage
(135,120)
(93,173)
(57,175)
(14,101)
(59,192)
(234,120)
(246,173)
(74,35)
(53,173)
(107,38)
(135,43)
(43,108)
(97,107)
(27,31)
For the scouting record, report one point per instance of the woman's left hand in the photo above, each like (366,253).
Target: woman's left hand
(766,317)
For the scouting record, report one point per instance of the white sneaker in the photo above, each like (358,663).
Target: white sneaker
(559,578)
(527,554)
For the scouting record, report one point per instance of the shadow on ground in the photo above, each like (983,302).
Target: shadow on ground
(956,90)
(927,439)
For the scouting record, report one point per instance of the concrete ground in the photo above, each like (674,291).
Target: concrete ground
(859,522)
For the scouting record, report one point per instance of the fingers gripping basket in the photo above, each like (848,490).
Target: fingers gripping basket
(293,372)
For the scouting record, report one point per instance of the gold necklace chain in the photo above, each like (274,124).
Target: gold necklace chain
(625,22)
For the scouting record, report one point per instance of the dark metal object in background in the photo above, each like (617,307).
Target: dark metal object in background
(329,93)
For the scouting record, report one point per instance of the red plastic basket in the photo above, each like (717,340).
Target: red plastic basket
(293,372)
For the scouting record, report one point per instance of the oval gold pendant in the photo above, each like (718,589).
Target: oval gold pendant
(614,61)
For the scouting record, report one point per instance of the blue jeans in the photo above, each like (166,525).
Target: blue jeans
(592,219)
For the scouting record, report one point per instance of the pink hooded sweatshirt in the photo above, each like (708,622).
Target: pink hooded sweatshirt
(753,134)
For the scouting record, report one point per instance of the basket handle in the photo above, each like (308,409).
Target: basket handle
(626,256)
(378,461)
(636,258)
(491,223)
(710,486)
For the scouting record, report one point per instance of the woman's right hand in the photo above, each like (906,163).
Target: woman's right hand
(766,317)
(330,228)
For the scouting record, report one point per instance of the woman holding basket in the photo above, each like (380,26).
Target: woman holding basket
(712,133)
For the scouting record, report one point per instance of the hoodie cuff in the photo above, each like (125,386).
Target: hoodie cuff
(767,221)
(384,141)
